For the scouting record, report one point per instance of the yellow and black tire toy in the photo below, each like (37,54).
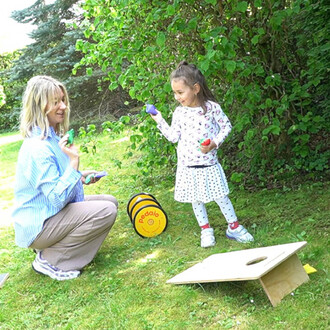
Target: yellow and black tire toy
(147,216)
(136,197)
(140,203)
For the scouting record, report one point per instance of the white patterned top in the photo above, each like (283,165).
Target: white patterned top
(189,126)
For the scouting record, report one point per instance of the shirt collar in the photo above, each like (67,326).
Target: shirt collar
(36,132)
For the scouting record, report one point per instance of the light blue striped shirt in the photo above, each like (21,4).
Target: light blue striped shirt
(45,184)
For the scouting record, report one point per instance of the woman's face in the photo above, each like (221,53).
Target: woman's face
(56,115)
(184,94)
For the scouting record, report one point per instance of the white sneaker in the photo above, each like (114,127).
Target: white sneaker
(41,266)
(207,238)
(240,234)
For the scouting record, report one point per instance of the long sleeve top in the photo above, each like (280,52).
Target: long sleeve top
(189,126)
(45,184)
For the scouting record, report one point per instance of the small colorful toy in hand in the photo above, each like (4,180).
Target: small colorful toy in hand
(97,175)
(205,142)
(71,136)
(151,109)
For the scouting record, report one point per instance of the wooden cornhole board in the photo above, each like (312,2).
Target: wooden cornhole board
(278,269)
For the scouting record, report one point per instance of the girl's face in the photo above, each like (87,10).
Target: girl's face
(56,114)
(184,94)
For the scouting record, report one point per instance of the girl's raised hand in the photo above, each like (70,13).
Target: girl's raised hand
(154,113)
(157,118)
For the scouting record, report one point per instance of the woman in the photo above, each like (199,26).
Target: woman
(52,215)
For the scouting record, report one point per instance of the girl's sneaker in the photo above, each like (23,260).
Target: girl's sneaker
(240,234)
(41,266)
(207,238)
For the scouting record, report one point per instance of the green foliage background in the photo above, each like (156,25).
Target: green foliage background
(9,102)
(58,25)
(267,63)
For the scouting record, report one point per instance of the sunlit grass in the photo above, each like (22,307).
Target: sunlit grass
(125,285)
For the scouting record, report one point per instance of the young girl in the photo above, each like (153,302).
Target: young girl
(200,178)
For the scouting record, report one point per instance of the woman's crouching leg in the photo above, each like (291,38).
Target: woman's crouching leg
(70,239)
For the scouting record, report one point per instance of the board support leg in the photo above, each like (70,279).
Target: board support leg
(283,279)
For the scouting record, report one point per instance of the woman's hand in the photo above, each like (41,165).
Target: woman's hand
(71,151)
(208,148)
(92,178)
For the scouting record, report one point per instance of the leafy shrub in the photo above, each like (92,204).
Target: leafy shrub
(9,100)
(265,61)
(2,97)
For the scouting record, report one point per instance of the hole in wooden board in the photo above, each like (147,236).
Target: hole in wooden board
(256,261)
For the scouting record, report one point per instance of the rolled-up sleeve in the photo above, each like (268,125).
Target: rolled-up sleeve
(45,177)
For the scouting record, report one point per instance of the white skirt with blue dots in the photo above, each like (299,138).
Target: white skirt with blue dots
(201,184)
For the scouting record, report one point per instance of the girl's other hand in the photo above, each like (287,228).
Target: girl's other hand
(208,148)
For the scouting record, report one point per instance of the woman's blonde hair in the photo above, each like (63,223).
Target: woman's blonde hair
(39,98)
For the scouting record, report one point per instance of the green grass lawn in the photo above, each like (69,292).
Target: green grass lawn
(125,286)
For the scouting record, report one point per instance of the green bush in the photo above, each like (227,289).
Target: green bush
(266,63)
(10,93)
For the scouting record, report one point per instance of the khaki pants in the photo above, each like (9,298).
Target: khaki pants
(71,238)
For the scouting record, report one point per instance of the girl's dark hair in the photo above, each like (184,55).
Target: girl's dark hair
(191,75)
